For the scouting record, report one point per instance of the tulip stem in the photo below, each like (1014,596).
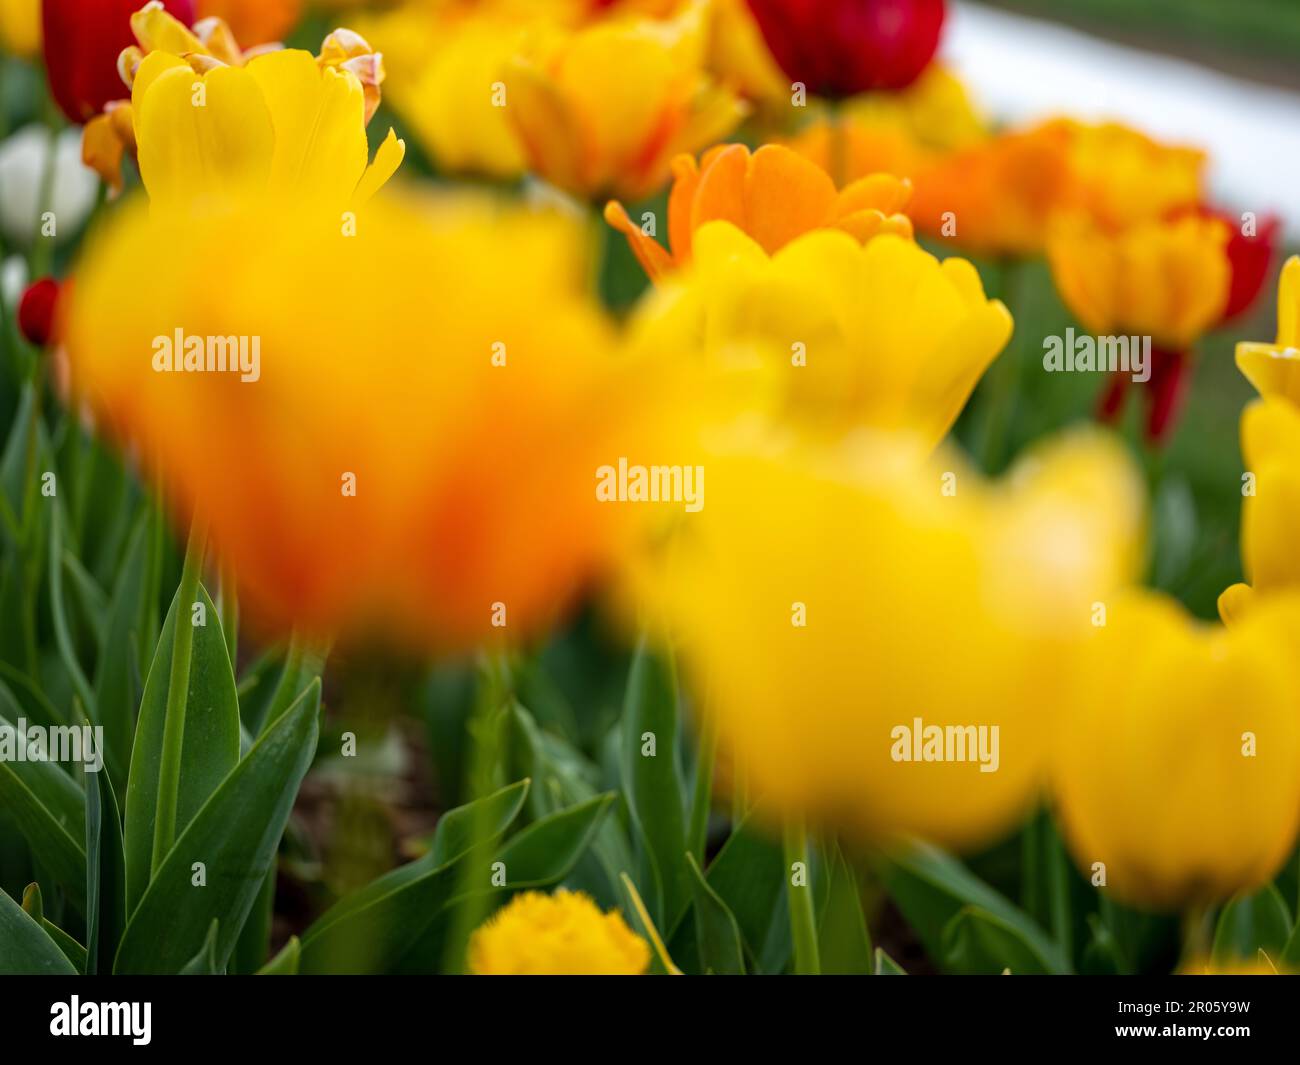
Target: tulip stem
(701,802)
(178,689)
(42,250)
(803,925)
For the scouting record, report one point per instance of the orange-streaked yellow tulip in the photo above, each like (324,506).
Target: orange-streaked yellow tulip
(773,195)
(1167,279)
(1177,762)
(564,934)
(378,467)
(823,602)
(829,335)
(601,111)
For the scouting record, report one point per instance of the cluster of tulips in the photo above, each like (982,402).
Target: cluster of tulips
(415,460)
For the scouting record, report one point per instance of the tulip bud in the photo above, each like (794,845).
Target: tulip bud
(83,39)
(36,311)
(842,47)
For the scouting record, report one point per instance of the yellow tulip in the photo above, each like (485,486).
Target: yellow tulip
(20,27)
(416,448)
(1270,444)
(1122,177)
(1270,514)
(213,125)
(601,111)
(445,66)
(739,55)
(838,611)
(563,934)
(1177,763)
(830,334)
(1168,279)
(1274,369)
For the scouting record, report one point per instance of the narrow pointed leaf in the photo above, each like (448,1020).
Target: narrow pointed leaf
(235,836)
(211,740)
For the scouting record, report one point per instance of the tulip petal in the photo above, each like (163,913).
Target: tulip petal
(387,159)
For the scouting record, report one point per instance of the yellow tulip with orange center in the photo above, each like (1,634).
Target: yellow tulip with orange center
(827,335)
(1177,763)
(213,125)
(602,110)
(563,934)
(882,642)
(430,475)
(1270,445)
(773,195)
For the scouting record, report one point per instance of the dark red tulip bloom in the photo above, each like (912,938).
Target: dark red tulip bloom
(842,47)
(83,39)
(36,311)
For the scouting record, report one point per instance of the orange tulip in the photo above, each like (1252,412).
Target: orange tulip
(255,21)
(998,197)
(773,195)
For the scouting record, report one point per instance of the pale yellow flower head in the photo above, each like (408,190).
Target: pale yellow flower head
(1177,764)
(833,609)
(1168,279)
(829,334)
(1274,369)
(563,934)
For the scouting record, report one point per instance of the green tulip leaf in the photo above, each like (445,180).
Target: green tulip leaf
(234,836)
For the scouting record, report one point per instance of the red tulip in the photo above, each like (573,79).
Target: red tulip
(841,47)
(83,39)
(36,311)
(1251,258)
